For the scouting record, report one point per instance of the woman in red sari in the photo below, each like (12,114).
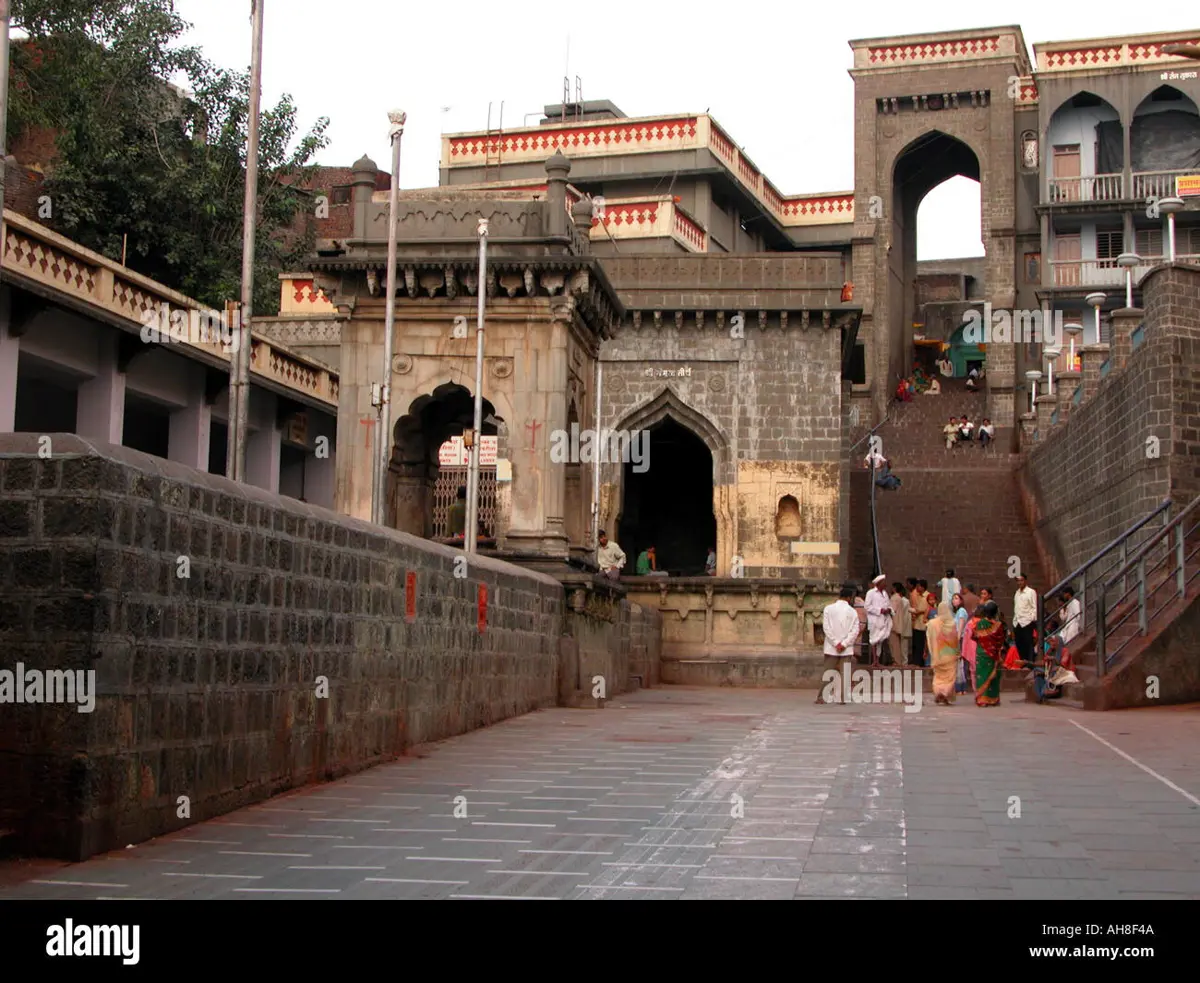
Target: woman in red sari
(990,643)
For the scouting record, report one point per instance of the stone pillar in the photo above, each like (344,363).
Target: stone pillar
(1028,423)
(190,426)
(1046,406)
(320,474)
(557,169)
(1125,321)
(100,413)
(1092,357)
(264,444)
(1065,384)
(10,351)
(363,179)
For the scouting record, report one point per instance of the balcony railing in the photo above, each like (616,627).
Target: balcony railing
(1157,184)
(1095,187)
(1105,272)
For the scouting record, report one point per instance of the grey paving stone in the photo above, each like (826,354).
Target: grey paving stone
(855,863)
(861,885)
(956,876)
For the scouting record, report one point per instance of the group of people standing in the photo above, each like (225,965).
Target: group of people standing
(959,633)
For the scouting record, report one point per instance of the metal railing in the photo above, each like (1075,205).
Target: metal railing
(1096,570)
(1170,551)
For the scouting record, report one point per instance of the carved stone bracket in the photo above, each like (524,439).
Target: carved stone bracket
(662,596)
(580,282)
(762,320)
(451,283)
(699,320)
(783,320)
(637,320)
(410,281)
(491,287)
(432,282)
(471,281)
(530,285)
(804,320)
(679,320)
(825,319)
(561,312)
(552,283)
(658,320)
(720,320)
(754,595)
(708,597)
(511,282)
(773,606)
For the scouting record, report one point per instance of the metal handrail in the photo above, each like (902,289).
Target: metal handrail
(871,432)
(1176,553)
(1121,543)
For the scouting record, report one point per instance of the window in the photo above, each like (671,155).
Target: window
(341,195)
(1029,150)
(858,364)
(1033,267)
(1148,242)
(787,519)
(1109,244)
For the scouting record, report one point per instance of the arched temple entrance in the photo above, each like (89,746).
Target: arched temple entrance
(669,503)
(422,484)
(931,160)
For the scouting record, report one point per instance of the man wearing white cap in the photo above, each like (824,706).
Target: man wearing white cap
(879,616)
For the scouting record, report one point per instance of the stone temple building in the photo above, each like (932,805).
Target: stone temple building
(644,275)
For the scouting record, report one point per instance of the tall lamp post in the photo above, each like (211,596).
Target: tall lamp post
(470,533)
(1033,375)
(379,505)
(239,381)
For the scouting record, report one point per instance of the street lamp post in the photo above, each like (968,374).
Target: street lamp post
(1128,261)
(1170,206)
(1033,375)
(470,533)
(1052,355)
(1094,301)
(379,506)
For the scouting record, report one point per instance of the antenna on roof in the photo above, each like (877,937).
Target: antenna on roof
(578,98)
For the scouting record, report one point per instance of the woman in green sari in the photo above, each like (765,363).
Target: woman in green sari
(990,636)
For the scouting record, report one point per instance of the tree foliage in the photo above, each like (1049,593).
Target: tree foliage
(161,164)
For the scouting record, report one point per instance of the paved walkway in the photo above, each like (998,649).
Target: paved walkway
(638,801)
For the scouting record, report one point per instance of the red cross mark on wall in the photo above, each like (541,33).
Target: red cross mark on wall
(368,423)
(533,427)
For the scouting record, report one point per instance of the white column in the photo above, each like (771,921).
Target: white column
(100,413)
(264,443)
(10,351)
(191,426)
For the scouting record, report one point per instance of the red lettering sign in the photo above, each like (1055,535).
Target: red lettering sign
(483,607)
(410,596)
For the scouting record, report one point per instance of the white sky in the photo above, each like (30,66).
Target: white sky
(773,74)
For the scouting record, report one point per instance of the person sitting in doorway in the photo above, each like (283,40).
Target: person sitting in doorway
(935,387)
(710,562)
(647,564)
(945,366)
(610,558)
(973,378)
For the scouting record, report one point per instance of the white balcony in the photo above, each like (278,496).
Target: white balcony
(1087,273)
(1158,184)
(1095,187)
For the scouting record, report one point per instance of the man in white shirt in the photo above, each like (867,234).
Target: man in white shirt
(950,586)
(1071,616)
(1025,609)
(841,627)
(610,558)
(879,617)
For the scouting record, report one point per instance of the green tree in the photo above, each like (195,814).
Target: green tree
(160,164)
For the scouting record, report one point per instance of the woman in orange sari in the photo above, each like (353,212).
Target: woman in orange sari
(942,635)
(990,644)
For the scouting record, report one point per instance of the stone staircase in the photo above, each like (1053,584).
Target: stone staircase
(955,508)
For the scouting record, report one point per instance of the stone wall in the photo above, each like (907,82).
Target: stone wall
(211,612)
(1092,477)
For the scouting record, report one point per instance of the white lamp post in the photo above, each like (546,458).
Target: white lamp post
(1033,375)
(1051,357)
(1072,331)
(1169,206)
(470,534)
(1127,261)
(1094,301)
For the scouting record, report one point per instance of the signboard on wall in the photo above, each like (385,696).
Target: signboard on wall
(453,454)
(1187,185)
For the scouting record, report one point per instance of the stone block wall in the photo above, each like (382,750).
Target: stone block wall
(1092,477)
(209,611)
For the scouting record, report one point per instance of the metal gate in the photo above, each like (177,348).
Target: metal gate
(445,491)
